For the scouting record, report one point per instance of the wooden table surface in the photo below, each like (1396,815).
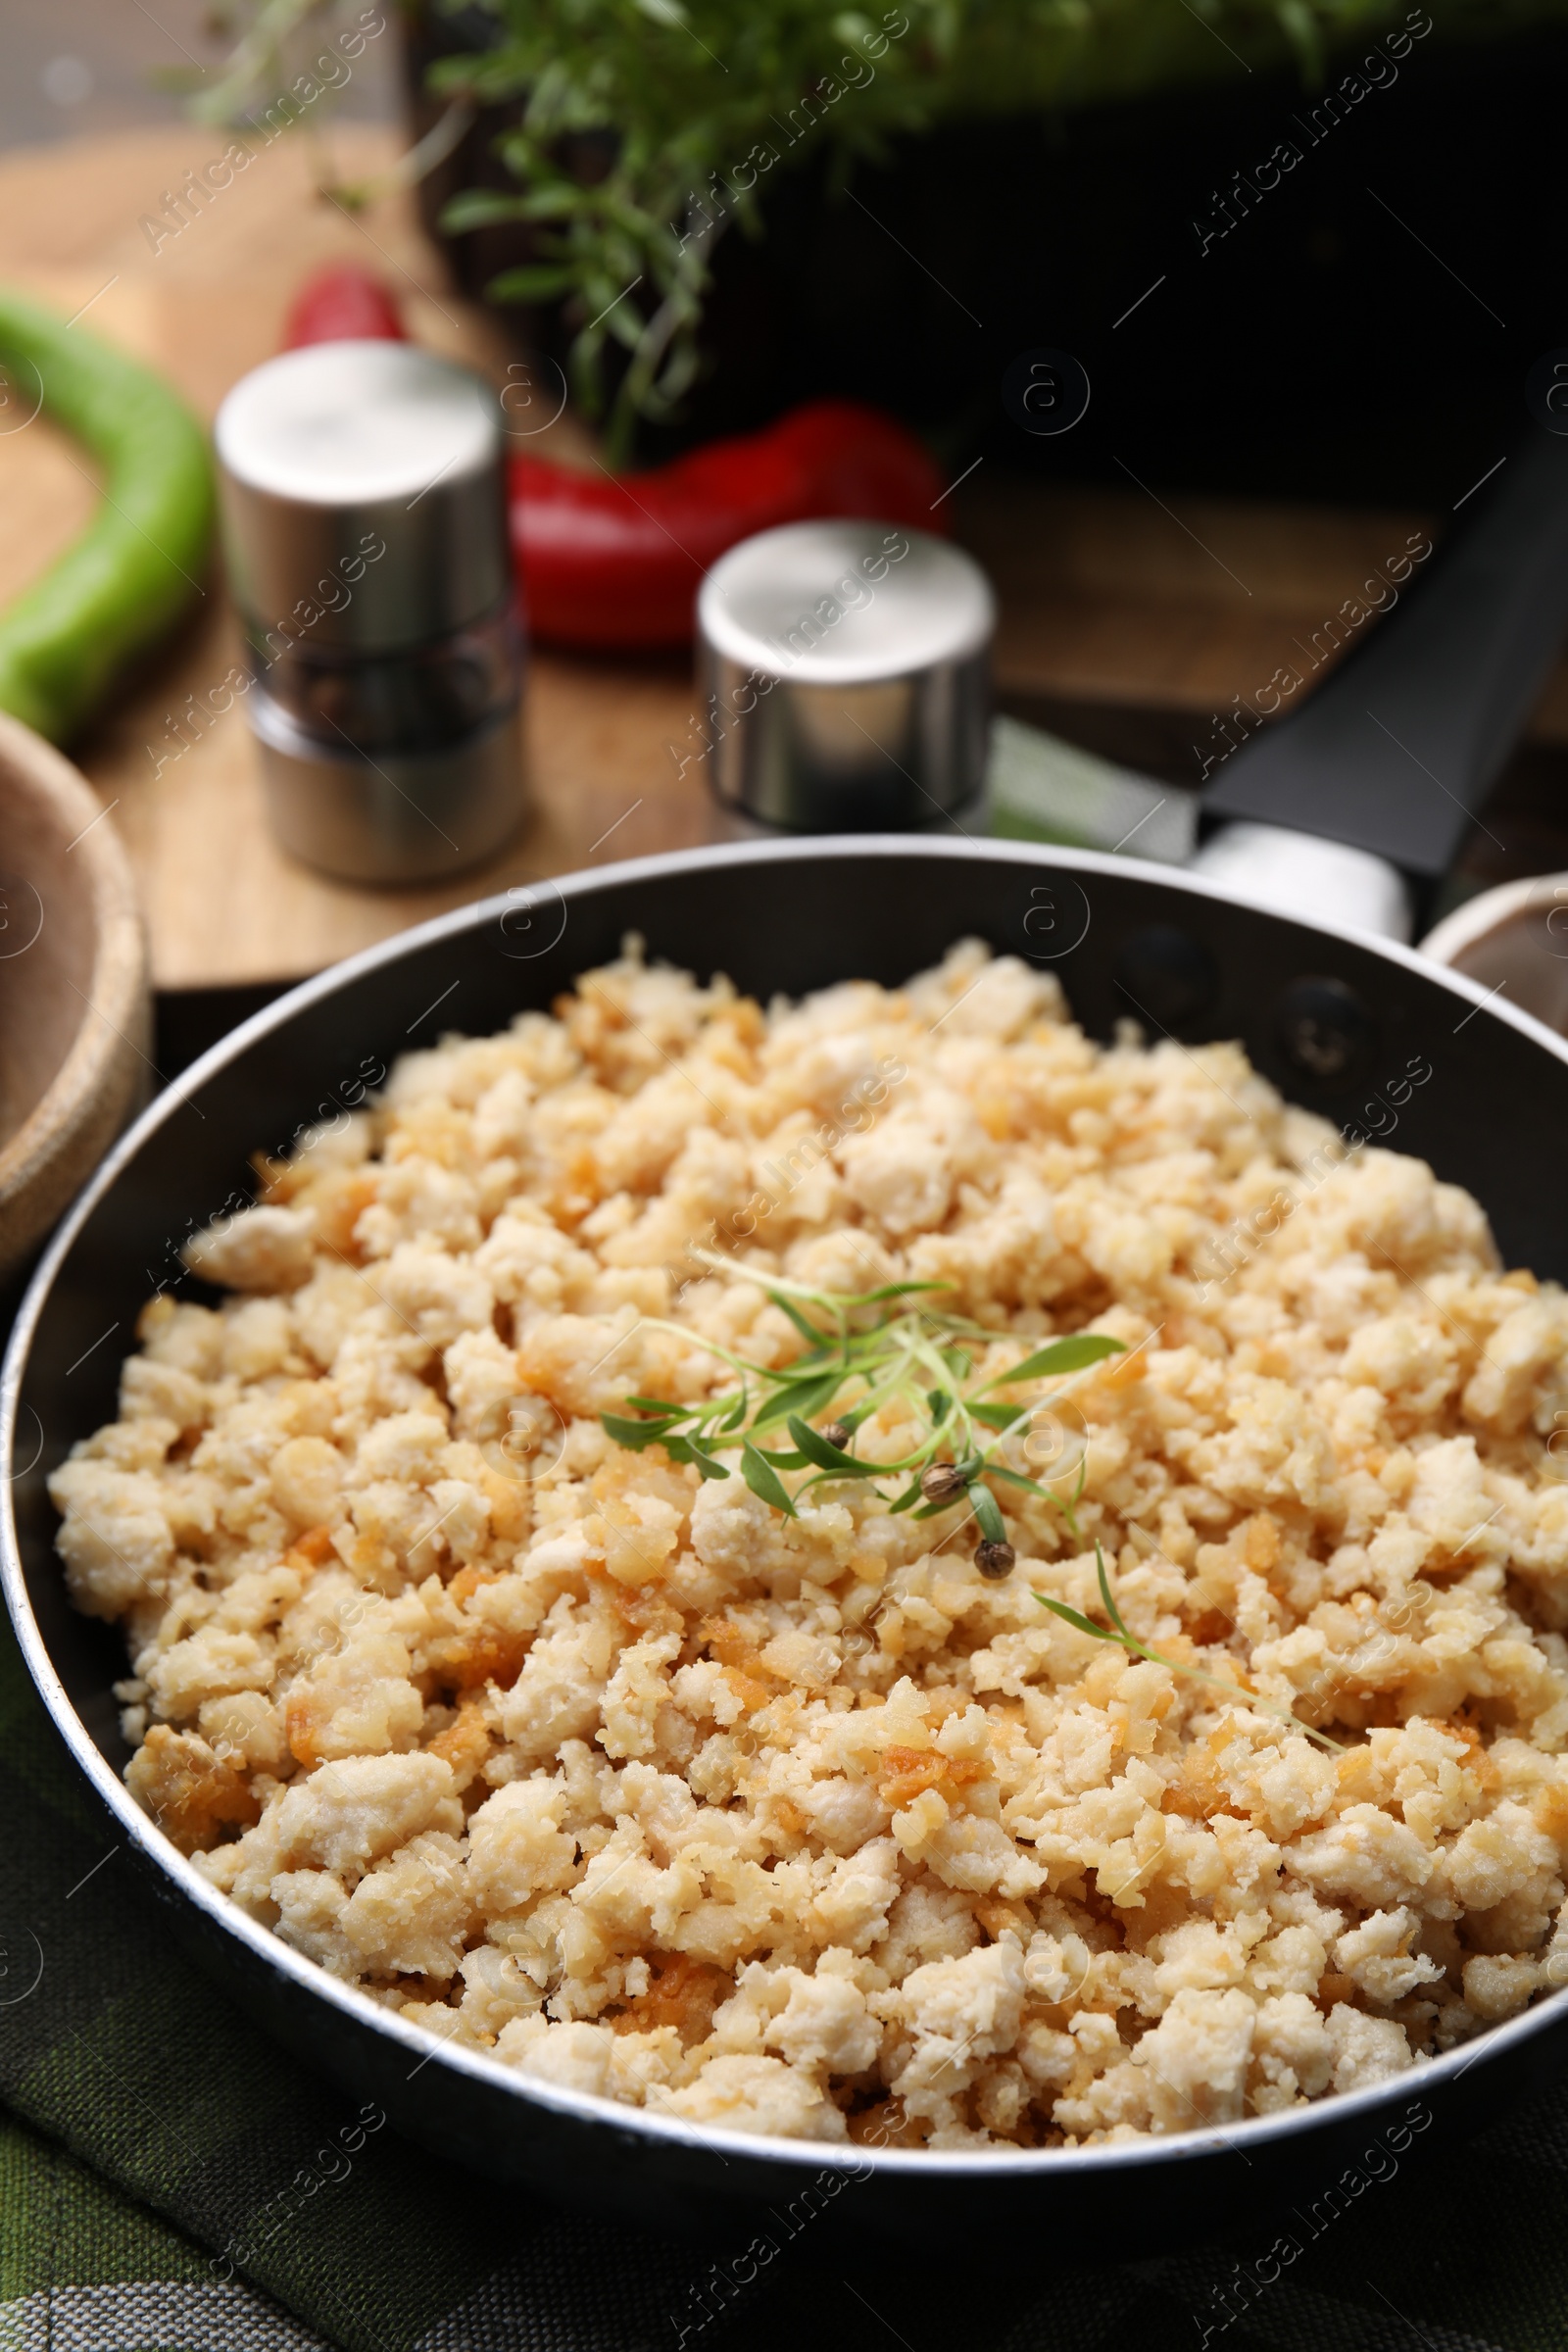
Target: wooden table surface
(1126,622)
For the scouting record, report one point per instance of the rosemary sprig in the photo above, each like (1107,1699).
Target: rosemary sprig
(643,132)
(850,1369)
(912,1354)
(1117,1631)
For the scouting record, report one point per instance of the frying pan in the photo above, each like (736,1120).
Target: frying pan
(1333,1016)
(1328,1015)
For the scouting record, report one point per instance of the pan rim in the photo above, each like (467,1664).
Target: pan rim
(1330,2114)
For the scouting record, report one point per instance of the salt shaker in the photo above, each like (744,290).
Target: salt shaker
(844,670)
(365,524)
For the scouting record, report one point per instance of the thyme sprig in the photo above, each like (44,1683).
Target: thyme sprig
(1119,1631)
(908,1355)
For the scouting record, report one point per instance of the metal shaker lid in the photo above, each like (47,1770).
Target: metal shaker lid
(843,667)
(838,603)
(363,479)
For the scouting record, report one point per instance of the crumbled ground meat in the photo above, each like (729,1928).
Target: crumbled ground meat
(786,1824)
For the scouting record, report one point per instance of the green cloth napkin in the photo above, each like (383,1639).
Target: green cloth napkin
(157,2155)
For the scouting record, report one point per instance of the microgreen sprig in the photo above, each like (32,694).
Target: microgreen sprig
(1119,1631)
(909,1354)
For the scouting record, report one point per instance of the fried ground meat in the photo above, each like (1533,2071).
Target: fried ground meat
(651,1791)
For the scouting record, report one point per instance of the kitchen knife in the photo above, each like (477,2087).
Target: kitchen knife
(1353,806)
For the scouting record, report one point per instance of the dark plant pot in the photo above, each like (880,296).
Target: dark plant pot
(1325,345)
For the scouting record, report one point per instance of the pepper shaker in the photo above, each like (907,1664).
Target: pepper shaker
(364,524)
(844,671)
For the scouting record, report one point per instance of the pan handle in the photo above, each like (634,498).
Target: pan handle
(1397,751)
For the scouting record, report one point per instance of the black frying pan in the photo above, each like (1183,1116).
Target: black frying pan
(1332,1019)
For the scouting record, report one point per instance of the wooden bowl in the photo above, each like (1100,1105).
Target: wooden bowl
(76,1017)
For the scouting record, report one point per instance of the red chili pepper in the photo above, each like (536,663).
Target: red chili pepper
(343,303)
(610,562)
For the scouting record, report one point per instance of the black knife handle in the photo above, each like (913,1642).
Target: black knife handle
(1397,752)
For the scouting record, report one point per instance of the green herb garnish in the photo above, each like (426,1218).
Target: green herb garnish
(641,132)
(1117,1631)
(907,1353)
(694,110)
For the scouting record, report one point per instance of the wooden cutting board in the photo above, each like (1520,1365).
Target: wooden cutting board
(1128,623)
